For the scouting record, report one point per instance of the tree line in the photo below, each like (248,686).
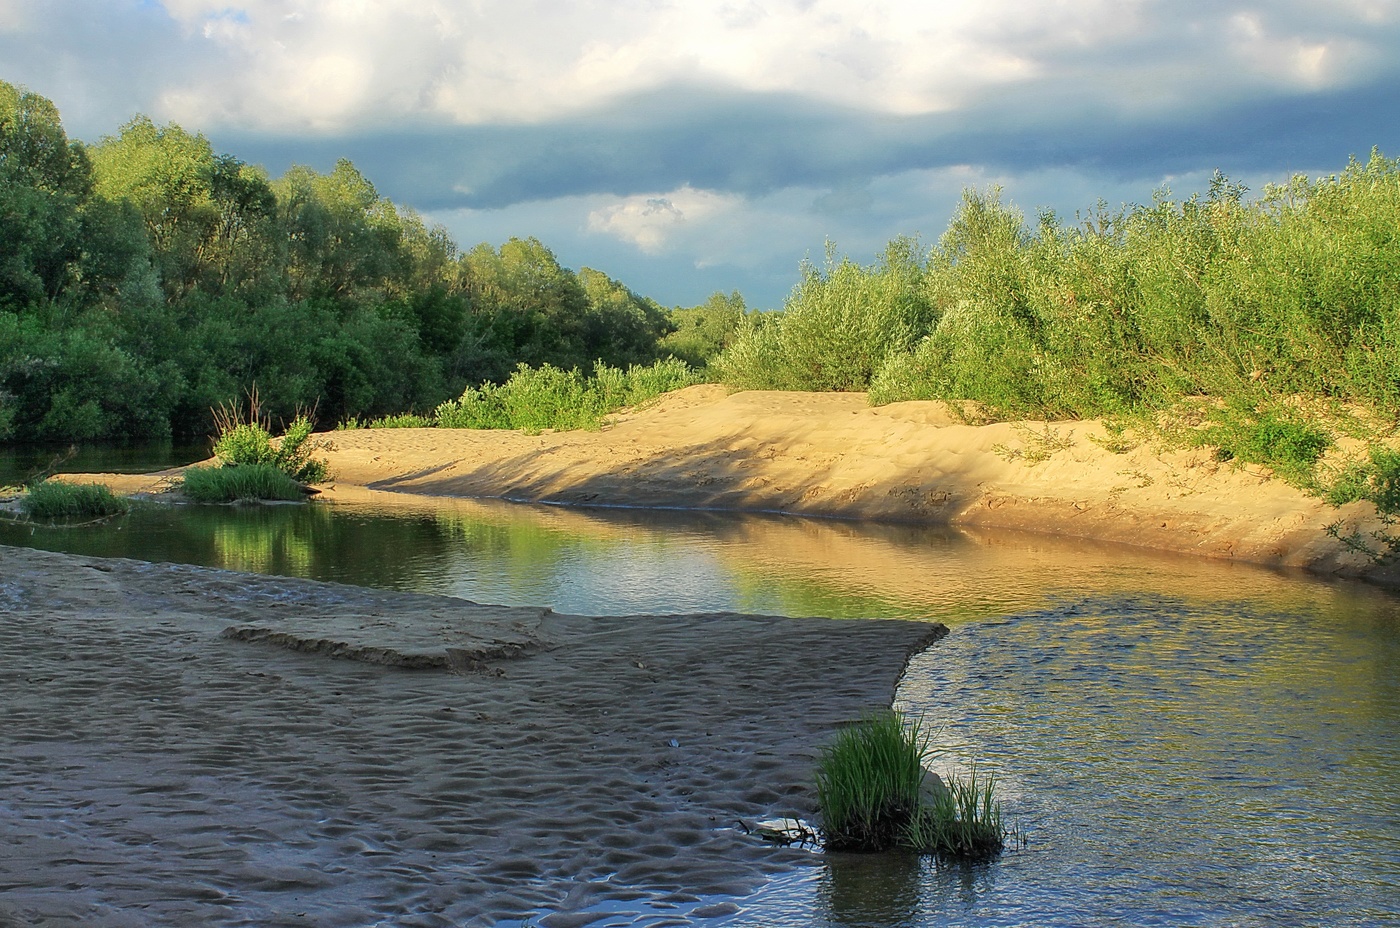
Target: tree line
(148,279)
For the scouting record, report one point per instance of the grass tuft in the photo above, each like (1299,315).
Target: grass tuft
(52,499)
(240,482)
(873,795)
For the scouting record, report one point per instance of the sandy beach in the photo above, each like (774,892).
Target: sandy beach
(190,746)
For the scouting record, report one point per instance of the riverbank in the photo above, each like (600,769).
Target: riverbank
(831,454)
(192,745)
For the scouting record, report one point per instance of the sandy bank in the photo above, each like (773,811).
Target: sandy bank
(470,764)
(830,454)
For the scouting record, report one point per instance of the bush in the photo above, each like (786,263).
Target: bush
(1280,439)
(840,325)
(249,441)
(872,796)
(53,499)
(240,482)
(549,398)
(406,420)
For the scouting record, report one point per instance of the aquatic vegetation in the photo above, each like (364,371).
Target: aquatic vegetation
(868,782)
(875,794)
(240,481)
(961,819)
(52,499)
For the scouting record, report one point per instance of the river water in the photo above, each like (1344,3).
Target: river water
(1182,741)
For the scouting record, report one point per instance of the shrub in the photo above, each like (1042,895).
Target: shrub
(240,482)
(839,326)
(549,398)
(53,499)
(1280,439)
(406,420)
(250,441)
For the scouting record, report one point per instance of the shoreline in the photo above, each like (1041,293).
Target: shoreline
(830,455)
(193,744)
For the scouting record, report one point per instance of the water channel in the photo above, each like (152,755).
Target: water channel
(1183,741)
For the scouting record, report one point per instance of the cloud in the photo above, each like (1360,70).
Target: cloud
(649,221)
(690,140)
(334,66)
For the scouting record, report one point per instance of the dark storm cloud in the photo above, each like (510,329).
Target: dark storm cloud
(755,145)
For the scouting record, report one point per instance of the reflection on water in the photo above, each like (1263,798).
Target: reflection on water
(1185,742)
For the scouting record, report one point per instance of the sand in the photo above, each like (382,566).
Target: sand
(189,746)
(831,454)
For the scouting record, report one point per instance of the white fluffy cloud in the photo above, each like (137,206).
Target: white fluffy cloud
(338,64)
(649,221)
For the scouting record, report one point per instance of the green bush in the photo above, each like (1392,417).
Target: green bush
(1278,438)
(549,398)
(1377,480)
(53,499)
(839,326)
(240,482)
(406,420)
(250,442)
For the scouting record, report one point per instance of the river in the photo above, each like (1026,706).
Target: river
(1182,741)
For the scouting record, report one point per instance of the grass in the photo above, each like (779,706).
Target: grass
(240,482)
(872,796)
(52,499)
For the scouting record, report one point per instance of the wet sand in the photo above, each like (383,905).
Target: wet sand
(190,746)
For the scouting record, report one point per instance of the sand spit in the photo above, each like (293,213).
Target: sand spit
(830,454)
(192,746)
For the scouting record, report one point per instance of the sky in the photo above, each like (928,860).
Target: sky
(688,147)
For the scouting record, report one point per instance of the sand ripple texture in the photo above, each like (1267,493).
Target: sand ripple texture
(183,746)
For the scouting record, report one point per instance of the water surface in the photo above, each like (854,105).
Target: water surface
(1183,741)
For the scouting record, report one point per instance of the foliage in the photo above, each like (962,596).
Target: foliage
(699,333)
(240,482)
(840,325)
(54,499)
(1279,438)
(248,441)
(873,795)
(963,819)
(549,398)
(146,278)
(406,420)
(1376,480)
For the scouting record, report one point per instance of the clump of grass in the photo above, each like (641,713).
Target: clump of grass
(241,439)
(961,820)
(52,499)
(868,783)
(872,796)
(240,482)
(550,398)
